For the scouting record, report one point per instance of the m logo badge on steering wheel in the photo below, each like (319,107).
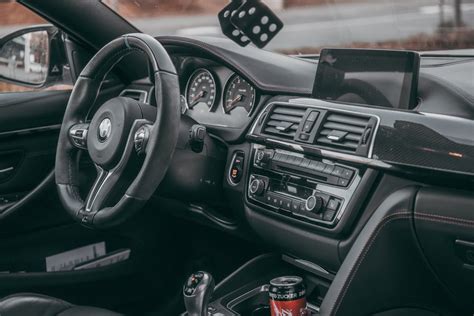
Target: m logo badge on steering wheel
(105,129)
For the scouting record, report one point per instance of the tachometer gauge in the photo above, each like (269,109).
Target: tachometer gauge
(238,93)
(201,89)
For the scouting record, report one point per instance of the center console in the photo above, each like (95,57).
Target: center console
(245,292)
(308,189)
(308,164)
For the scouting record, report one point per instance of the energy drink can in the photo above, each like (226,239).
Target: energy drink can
(287,296)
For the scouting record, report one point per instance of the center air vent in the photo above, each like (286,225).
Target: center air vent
(283,121)
(346,132)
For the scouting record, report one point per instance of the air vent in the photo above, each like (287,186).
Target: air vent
(347,132)
(139,95)
(283,121)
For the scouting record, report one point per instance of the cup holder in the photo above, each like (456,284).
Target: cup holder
(260,311)
(254,303)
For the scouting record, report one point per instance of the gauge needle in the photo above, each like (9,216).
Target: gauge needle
(233,103)
(197,97)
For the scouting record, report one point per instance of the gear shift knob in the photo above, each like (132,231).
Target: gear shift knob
(197,292)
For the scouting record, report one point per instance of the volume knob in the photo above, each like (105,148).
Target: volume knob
(314,203)
(257,186)
(264,156)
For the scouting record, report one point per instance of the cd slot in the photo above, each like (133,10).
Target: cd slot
(302,173)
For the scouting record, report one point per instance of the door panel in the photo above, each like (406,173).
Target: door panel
(29,110)
(29,127)
(444,222)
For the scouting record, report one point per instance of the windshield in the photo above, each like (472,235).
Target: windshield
(309,25)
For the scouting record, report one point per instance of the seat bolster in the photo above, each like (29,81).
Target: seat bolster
(31,304)
(86,310)
(26,304)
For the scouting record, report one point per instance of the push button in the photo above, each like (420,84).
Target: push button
(308,125)
(333,204)
(320,166)
(328,169)
(268,199)
(337,171)
(347,173)
(304,136)
(298,161)
(343,182)
(284,158)
(236,169)
(329,215)
(275,201)
(286,204)
(305,163)
(313,116)
(312,165)
(295,206)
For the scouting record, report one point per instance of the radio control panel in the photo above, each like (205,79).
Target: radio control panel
(324,172)
(305,188)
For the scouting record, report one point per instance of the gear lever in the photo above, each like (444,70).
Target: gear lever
(197,292)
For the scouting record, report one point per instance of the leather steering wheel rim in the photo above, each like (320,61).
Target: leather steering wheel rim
(163,135)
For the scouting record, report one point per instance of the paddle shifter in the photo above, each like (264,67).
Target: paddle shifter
(197,292)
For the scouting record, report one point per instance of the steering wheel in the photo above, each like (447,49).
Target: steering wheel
(131,143)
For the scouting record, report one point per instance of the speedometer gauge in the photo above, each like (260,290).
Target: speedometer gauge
(201,89)
(238,94)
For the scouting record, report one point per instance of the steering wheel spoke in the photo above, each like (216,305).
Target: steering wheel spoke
(108,182)
(78,135)
(101,190)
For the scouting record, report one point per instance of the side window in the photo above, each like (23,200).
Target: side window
(32,56)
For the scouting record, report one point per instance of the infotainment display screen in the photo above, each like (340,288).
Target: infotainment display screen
(366,76)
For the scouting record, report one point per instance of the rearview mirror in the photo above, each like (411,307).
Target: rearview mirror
(26,56)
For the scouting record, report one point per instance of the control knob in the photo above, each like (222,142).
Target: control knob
(257,186)
(264,156)
(314,204)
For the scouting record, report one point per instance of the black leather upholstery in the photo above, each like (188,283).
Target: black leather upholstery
(29,304)
(164,133)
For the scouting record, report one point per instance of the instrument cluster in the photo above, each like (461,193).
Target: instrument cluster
(217,96)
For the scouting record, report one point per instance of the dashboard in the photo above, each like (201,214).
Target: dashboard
(281,163)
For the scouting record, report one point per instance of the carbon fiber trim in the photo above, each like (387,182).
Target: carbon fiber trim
(403,139)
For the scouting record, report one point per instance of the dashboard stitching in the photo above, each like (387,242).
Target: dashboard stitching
(444,219)
(387,219)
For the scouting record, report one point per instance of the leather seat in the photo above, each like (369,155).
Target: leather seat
(29,304)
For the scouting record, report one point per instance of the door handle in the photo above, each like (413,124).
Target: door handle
(7,170)
(5,173)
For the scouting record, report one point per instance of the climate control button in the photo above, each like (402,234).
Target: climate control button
(314,204)
(257,186)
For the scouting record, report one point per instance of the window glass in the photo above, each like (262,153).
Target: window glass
(26,57)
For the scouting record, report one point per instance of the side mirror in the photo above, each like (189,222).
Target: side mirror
(32,56)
